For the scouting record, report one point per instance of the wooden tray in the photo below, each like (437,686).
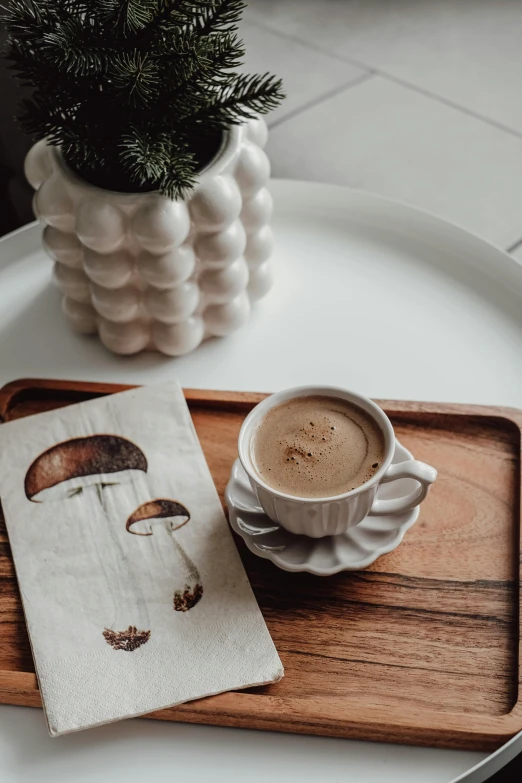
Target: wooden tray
(422,647)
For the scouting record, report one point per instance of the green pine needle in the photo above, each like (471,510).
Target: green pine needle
(129,16)
(72,47)
(218,16)
(135,76)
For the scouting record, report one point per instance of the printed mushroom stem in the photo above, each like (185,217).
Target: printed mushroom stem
(186,598)
(118,575)
(83,468)
(161,517)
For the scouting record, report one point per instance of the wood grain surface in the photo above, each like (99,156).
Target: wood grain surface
(422,647)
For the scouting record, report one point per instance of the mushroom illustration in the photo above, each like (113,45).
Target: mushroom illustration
(86,467)
(162,517)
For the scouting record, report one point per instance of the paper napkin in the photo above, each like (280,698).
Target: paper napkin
(134,594)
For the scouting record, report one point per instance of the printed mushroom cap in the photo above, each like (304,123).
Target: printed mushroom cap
(162,510)
(64,469)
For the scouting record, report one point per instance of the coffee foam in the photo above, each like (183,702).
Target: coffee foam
(317,446)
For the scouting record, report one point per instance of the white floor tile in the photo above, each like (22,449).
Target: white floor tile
(385,138)
(306,74)
(465,51)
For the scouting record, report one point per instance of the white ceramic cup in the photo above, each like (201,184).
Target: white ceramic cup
(331,516)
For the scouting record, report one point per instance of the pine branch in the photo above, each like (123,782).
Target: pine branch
(78,148)
(201,66)
(129,16)
(178,178)
(178,47)
(150,157)
(36,118)
(183,12)
(223,53)
(218,16)
(21,16)
(173,14)
(73,47)
(133,89)
(243,98)
(257,94)
(143,154)
(135,75)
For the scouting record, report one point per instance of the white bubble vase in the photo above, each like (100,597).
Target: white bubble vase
(145,272)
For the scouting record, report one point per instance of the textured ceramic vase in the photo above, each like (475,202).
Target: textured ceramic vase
(146,272)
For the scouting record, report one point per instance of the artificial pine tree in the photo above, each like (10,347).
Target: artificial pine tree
(136,93)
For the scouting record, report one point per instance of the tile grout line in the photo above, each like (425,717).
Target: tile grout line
(514,246)
(450,104)
(314,47)
(320,99)
(397,80)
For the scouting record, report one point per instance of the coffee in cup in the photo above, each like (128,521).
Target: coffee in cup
(317,446)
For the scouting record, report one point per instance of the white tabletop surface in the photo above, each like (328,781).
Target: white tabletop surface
(368,295)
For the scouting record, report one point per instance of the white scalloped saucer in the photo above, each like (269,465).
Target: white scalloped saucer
(358,548)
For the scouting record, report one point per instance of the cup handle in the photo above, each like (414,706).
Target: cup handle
(413,469)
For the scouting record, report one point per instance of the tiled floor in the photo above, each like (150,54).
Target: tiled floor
(419,100)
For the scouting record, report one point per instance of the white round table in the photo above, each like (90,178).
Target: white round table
(369,294)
